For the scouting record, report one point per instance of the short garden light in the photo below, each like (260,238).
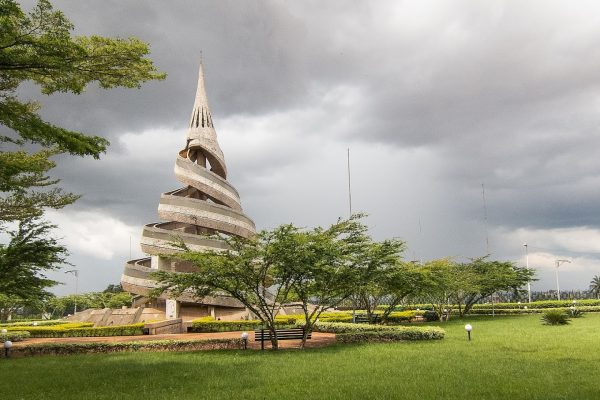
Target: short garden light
(3,331)
(468,328)
(245,339)
(7,346)
(35,324)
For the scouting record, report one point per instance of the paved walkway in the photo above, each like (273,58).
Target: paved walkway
(318,339)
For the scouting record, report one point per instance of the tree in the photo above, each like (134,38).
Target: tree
(595,286)
(245,272)
(39,47)
(327,266)
(29,253)
(489,277)
(443,279)
(318,267)
(397,284)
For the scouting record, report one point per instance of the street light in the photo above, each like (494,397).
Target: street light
(468,328)
(75,272)
(7,347)
(558,262)
(245,339)
(527,266)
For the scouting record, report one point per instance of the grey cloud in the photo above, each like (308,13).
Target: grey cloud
(441,97)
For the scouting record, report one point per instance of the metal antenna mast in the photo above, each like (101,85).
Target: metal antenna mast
(349,187)
(485,220)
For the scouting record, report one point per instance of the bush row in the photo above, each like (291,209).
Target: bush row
(391,336)
(399,332)
(157,345)
(539,304)
(203,325)
(31,323)
(77,330)
(517,311)
(14,336)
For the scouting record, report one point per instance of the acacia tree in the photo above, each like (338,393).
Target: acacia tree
(330,265)
(443,280)
(245,271)
(488,277)
(318,267)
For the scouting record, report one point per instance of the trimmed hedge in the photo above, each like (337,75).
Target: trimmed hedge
(399,332)
(81,330)
(30,323)
(157,345)
(391,336)
(14,336)
(203,325)
(517,311)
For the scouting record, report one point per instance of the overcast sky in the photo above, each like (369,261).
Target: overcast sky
(433,99)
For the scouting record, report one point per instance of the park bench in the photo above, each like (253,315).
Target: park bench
(263,335)
(365,319)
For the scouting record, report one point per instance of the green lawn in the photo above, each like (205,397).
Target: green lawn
(508,358)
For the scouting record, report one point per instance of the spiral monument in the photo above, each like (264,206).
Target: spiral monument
(207,204)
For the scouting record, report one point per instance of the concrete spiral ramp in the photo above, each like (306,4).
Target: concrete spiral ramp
(206,204)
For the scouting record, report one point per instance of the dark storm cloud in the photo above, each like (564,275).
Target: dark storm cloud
(435,98)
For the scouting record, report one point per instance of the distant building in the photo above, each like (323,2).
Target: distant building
(206,204)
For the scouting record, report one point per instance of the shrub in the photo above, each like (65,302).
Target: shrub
(81,330)
(431,316)
(403,316)
(575,312)
(14,336)
(156,345)
(204,325)
(399,332)
(555,317)
(430,333)
(30,323)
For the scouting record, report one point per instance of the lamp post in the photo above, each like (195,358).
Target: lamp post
(75,272)
(7,347)
(245,339)
(468,328)
(558,262)
(527,266)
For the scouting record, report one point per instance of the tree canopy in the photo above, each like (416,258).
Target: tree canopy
(318,267)
(39,47)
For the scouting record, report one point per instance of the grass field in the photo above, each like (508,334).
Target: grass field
(508,358)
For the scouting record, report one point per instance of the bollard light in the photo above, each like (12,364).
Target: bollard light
(245,339)
(4,331)
(468,328)
(35,324)
(7,346)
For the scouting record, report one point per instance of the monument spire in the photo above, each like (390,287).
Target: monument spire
(206,204)
(201,136)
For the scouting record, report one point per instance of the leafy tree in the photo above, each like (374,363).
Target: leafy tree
(595,286)
(319,268)
(327,266)
(399,283)
(23,261)
(245,272)
(443,279)
(39,47)
(489,277)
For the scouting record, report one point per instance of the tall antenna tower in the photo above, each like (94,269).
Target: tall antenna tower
(349,188)
(485,220)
